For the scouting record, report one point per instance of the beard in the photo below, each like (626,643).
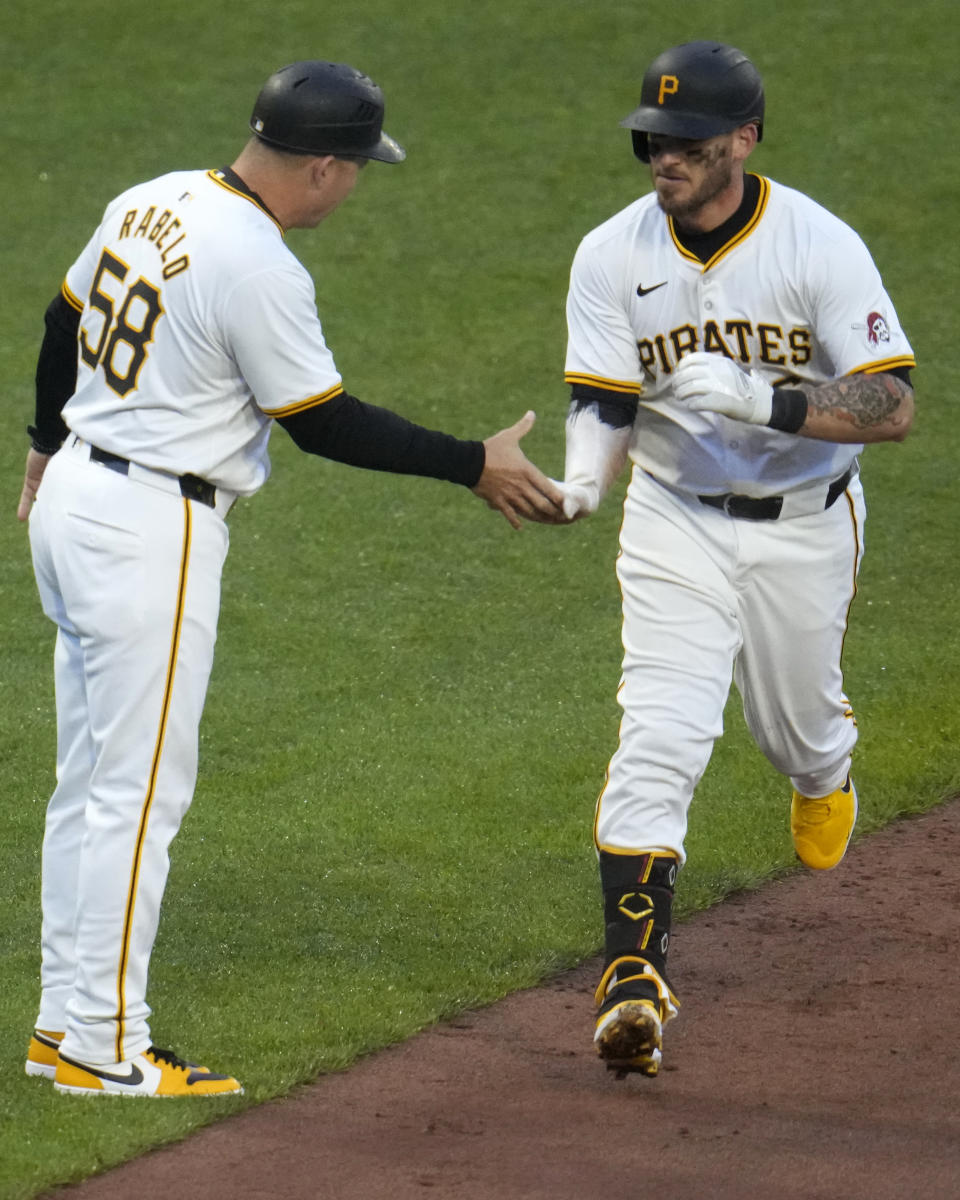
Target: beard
(718,176)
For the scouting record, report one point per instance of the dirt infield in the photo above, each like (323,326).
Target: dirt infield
(817,1055)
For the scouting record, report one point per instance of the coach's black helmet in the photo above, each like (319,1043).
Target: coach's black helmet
(696,90)
(324,108)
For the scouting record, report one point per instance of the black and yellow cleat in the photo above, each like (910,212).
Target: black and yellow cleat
(628,1037)
(153,1073)
(822,826)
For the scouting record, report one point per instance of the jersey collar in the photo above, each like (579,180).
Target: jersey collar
(706,249)
(227,178)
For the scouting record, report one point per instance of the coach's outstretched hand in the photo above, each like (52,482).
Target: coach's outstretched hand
(36,464)
(512,485)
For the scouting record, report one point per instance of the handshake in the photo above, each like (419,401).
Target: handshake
(579,499)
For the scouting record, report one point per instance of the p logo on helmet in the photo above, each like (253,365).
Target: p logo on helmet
(669,86)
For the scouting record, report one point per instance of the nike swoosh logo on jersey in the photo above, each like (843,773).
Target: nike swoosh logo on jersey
(642,291)
(135,1076)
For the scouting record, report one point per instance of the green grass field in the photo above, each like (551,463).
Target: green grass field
(412,706)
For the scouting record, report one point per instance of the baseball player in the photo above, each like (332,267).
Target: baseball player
(183,333)
(734,341)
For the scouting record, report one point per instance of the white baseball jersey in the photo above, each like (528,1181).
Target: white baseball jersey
(194,310)
(793,294)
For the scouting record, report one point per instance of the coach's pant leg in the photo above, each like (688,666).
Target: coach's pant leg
(144,778)
(65,820)
(63,834)
(147,630)
(680,637)
(796,604)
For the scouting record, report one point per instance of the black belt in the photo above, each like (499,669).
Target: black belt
(192,487)
(768,509)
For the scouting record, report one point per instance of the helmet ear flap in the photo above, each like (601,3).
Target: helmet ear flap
(641,147)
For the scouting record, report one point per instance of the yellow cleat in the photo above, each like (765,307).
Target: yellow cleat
(628,1037)
(821,827)
(152,1073)
(42,1053)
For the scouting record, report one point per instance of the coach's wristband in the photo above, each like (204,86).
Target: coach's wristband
(39,444)
(789,410)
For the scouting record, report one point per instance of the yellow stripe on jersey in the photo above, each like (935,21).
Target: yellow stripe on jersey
(152,782)
(885,364)
(611,385)
(218,179)
(70,297)
(684,252)
(748,228)
(288,410)
(741,235)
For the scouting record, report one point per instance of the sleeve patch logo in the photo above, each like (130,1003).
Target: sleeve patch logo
(877,329)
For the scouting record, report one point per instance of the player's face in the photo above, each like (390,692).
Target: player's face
(689,175)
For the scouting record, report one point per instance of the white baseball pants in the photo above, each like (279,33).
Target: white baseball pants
(130,572)
(706,598)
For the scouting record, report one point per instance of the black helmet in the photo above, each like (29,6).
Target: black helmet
(696,90)
(324,108)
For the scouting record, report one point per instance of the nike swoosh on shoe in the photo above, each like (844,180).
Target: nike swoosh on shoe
(134,1077)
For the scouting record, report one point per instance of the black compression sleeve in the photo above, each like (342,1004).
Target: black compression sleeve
(363,435)
(56,377)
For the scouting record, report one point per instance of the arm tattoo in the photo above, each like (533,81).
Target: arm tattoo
(863,400)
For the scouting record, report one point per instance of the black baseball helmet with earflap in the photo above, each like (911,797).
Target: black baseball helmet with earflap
(696,90)
(324,108)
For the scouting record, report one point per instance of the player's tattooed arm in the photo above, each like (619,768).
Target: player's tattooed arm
(859,408)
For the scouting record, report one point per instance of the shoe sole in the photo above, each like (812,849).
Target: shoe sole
(40,1070)
(628,1039)
(66,1090)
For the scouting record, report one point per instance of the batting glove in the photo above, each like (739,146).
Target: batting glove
(713,383)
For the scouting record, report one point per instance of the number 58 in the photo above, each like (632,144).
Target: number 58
(141,302)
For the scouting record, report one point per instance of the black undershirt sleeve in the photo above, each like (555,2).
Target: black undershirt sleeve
(347,430)
(616,409)
(56,378)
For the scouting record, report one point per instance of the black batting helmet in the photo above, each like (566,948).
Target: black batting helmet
(324,108)
(696,90)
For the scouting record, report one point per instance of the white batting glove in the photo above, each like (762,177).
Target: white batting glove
(714,383)
(578,500)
